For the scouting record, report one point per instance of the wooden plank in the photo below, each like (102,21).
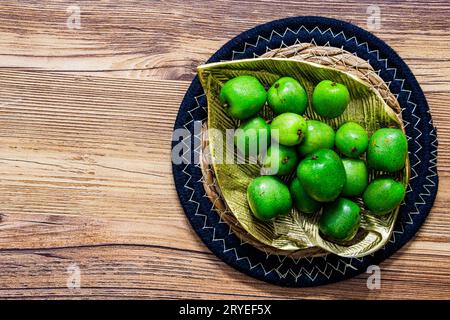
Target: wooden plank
(86,118)
(87,177)
(122,40)
(160,272)
(88,148)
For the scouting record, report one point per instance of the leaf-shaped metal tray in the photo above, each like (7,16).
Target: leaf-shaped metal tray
(295,231)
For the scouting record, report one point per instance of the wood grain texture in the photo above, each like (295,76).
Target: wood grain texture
(86,119)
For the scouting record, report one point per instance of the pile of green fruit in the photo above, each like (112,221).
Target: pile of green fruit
(326,170)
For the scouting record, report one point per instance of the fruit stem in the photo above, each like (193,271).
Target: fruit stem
(225,105)
(285,160)
(333,84)
(276,85)
(354,149)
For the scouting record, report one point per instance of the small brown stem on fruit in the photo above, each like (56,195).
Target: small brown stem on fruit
(333,84)
(285,160)
(225,105)
(314,157)
(276,85)
(299,132)
(354,149)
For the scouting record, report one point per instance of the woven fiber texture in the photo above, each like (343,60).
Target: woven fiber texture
(285,35)
(334,57)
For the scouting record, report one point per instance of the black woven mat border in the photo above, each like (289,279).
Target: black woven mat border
(422,140)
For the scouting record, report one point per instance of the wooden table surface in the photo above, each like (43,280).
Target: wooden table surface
(86,118)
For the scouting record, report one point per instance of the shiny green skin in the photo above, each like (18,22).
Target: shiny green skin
(279,160)
(383,195)
(330,99)
(352,139)
(287,95)
(268,197)
(318,135)
(243,97)
(291,128)
(302,201)
(322,175)
(357,177)
(340,220)
(387,150)
(249,137)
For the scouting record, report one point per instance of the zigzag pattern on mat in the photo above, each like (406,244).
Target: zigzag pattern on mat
(343,263)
